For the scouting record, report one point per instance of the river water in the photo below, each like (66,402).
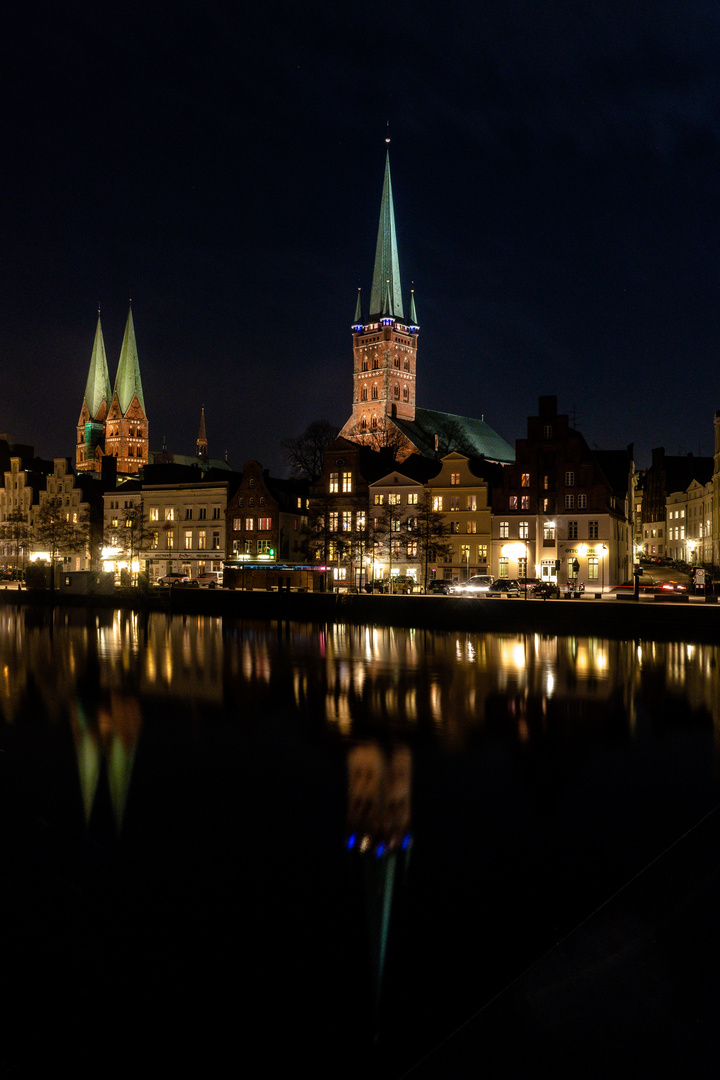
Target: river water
(265,846)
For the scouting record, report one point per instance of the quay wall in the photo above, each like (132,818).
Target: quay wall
(621,619)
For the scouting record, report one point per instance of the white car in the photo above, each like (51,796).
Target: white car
(474,586)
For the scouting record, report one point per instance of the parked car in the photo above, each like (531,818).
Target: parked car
(173,579)
(404,585)
(477,585)
(504,587)
(211,580)
(440,586)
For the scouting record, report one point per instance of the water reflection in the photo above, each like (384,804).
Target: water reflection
(235,769)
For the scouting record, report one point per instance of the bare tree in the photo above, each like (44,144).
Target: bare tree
(304,454)
(60,529)
(133,533)
(433,532)
(16,532)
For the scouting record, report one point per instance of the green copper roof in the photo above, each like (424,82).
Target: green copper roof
(385,297)
(127,380)
(97,388)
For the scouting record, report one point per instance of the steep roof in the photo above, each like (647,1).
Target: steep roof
(385,296)
(97,388)
(435,433)
(127,380)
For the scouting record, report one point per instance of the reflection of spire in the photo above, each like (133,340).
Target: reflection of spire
(110,742)
(379,803)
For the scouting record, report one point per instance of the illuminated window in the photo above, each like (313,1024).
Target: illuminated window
(347,482)
(395,549)
(169,541)
(454,502)
(334,483)
(504,530)
(188,539)
(437,502)
(524,530)
(412,549)
(455,478)
(412,498)
(525,480)
(249,524)
(347,520)
(503,567)
(237,524)
(360,521)
(202,544)
(264,524)
(379,498)
(394,498)
(333,519)
(549,530)
(472,502)
(471,526)
(513,502)
(593,573)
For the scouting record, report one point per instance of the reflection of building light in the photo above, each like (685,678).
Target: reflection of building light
(519,655)
(549,683)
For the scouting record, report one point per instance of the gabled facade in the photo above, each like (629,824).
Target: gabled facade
(558,517)
(267,519)
(461,493)
(395,502)
(113,424)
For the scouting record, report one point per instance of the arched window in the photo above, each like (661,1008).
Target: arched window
(363,394)
(373,423)
(375,392)
(406,394)
(396,391)
(365,364)
(363,424)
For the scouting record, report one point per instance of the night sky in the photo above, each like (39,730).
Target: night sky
(556,176)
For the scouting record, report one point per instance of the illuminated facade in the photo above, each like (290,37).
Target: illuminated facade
(461,493)
(564,511)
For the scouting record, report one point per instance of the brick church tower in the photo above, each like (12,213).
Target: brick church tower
(384,343)
(90,443)
(114,425)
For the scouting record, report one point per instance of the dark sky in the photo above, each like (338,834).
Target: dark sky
(556,174)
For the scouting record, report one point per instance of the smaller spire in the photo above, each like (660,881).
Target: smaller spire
(202,437)
(413,313)
(358,321)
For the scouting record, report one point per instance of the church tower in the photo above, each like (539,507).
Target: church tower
(90,443)
(126,435)
(384,343)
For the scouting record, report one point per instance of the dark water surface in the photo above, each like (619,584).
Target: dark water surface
(262,846)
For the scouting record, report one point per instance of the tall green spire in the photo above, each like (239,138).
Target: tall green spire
(127,380)
(97,388)
(385,297)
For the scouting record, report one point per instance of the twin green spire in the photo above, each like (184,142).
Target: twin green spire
(127,380)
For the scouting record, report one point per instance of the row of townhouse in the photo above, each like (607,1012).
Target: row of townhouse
(675,509)
(560,513)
